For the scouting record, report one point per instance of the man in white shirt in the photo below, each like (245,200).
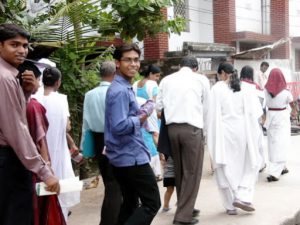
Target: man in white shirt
(184,98)
(262,76)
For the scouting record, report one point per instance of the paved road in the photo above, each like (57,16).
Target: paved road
(274,202)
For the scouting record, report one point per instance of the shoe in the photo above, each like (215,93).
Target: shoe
(246,206)
(193,221)
(69,213)
(263,168)
(272,178)
(195,213)
(284,171)
(165,209)
(231,212)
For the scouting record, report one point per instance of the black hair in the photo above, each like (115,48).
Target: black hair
(9,31)
(151,69)
(247,72)
(264,63)
(28,65)
(50,76)
(190,62)
(118,53)
(234,82)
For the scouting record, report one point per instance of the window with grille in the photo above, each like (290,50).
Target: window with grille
(182,9)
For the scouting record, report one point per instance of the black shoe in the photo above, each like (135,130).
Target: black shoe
(193,221)
(195,213)
(284,171)
(272,178)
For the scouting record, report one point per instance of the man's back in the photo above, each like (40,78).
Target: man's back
(182,95)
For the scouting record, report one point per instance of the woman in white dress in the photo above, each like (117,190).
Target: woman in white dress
(57,108)
(278,123)
(233,140)
(247,81)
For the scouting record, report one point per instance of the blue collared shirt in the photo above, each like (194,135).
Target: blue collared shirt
(94,108)
(123,137)
(94,111)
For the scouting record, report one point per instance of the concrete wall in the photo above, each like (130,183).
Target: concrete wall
(248,12)
(283,64)
(201,25)
(294,14)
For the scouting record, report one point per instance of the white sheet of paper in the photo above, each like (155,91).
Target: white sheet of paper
(66,185)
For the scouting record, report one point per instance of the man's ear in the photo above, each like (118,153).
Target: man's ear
(117,62)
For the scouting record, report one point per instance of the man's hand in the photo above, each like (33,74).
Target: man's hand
(29,81)
(143,118)
(53,185)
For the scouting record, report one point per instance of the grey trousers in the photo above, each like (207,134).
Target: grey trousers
(187,145)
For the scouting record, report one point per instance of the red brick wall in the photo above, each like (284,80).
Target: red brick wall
(297,60)
(115,42)
(155,47)
(224,21)
(280,26)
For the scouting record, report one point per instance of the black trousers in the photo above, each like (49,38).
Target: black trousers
(112,193)
(15,190)
(137,183)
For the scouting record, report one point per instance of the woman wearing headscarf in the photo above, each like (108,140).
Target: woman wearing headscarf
(278,124)
(232,139)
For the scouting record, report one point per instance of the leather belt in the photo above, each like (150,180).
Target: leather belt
(277,109)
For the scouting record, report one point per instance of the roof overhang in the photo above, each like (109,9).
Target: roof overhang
(207,49)
(260,52)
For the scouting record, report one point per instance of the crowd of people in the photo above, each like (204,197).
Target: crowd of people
(134,128)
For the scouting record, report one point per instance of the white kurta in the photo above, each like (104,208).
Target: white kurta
(233,140)
(57,114)
(279,130)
